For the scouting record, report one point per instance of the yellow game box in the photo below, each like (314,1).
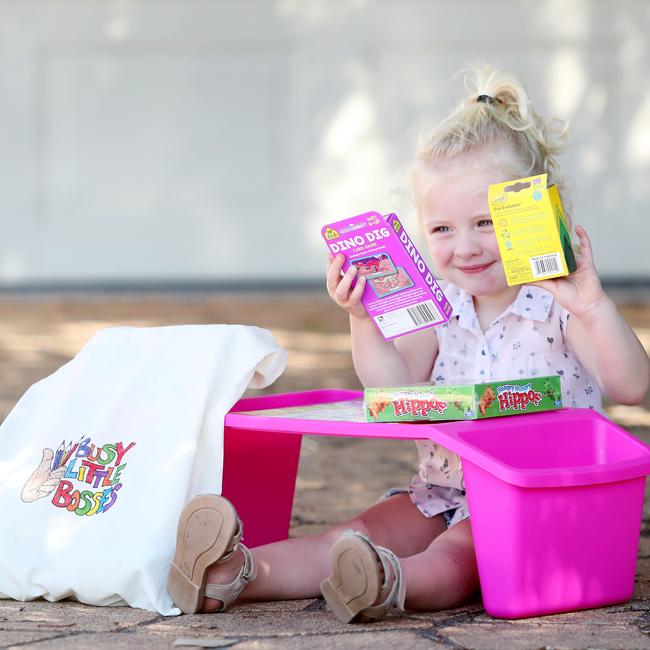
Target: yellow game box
(531,229)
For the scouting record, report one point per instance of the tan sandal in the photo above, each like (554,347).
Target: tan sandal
(209,532)
(366,581)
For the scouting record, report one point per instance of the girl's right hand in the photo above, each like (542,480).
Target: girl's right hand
(340,288)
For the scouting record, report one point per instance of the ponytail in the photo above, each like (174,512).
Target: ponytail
(497,110)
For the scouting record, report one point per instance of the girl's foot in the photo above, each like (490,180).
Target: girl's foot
(208,533)
(366,580)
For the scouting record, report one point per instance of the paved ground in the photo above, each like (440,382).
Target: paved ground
(37,334)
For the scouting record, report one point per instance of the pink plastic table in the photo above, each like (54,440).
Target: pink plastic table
(261,456)
(556,498)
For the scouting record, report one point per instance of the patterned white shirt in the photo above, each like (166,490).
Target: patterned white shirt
(526,340)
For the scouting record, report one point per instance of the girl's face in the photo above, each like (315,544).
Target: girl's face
(458,228)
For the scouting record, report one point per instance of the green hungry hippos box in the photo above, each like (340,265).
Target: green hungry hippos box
(430,403)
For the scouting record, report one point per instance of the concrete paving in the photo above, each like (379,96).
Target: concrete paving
(337,478)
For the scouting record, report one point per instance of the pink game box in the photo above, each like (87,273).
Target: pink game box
(401,295)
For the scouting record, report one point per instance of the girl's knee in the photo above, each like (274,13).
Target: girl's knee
(459,537)
(385,523)
(359,524)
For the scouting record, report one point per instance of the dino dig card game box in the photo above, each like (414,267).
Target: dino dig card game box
(401,295)
(429,402)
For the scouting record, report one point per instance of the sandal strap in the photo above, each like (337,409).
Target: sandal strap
(397,593)
(234,543)
(229,592)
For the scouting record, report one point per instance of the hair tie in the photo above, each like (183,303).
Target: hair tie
(486,99)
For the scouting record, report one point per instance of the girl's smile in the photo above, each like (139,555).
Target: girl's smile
(478,268)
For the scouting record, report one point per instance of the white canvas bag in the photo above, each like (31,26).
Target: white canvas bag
(98,459)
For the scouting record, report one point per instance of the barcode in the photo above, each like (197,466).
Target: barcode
(546,265)
(424,313)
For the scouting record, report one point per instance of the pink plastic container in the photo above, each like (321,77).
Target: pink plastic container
(555,498)
(556,501)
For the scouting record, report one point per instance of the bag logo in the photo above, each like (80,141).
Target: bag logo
(84,477)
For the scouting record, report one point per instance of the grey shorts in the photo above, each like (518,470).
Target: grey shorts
(448,514)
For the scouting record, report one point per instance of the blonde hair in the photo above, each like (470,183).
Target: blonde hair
(497,112)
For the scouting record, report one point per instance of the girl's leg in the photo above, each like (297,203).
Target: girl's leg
(294,568)
(445,574)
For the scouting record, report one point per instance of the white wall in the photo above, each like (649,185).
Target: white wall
(153,140)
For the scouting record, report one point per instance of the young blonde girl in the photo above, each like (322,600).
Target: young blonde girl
(415,548)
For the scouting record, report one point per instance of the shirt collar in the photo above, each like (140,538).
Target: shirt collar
(462,306)
(531,302)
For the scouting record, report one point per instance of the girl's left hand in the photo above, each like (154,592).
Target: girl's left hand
(580,292)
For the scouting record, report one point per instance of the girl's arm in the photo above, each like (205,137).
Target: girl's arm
(378,362)
(603,342)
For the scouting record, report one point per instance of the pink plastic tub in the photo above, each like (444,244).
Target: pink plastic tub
(556,502)
(555,498)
